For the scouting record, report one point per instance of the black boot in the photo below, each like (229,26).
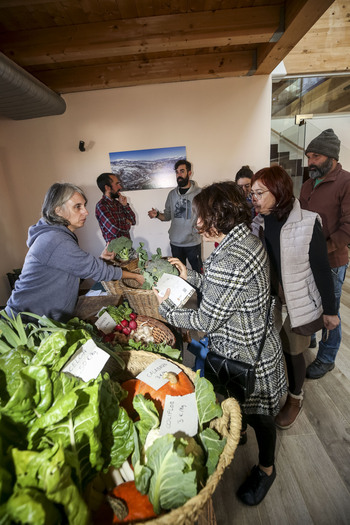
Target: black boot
(256,486)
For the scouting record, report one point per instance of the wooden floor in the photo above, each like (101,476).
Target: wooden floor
(312,486)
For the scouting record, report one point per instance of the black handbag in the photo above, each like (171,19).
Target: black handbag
(230,377)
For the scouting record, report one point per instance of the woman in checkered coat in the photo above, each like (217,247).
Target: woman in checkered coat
(235,290)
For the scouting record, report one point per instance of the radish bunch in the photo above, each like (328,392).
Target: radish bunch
(126,326)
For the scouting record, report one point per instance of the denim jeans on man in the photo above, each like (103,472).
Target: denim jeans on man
(328,349)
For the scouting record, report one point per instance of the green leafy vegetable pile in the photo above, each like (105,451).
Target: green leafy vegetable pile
(118,313)
(156,348)
(56,431)
(153,269)
(122,247)
(170,469)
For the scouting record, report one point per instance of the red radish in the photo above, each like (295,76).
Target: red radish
(118,328)
(133,325)
(133,316)
(124,322)
(126,330)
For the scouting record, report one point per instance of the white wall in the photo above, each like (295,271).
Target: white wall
(223,124)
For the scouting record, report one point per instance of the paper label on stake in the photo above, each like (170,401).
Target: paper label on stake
(153,374)
(180,415)
(87,362)
(105,323)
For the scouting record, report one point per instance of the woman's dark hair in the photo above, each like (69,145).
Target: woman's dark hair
(56,197)
(280,184)
(221,206)
(244,172)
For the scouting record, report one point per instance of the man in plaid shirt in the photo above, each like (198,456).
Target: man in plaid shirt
(113,212)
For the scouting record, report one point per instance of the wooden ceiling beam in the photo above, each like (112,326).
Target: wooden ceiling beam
(253,25)
(300,16)
(324,49)
(174,69)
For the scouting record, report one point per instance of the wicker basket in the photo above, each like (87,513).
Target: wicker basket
(160,332)
(113,287)
(130,265)
(228,425)
(88,306)
(141,301)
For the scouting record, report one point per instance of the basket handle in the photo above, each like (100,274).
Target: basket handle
(230,423)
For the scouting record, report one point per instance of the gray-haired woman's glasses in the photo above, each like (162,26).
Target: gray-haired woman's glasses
(258,194)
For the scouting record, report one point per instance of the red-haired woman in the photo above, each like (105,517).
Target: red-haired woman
(300,276)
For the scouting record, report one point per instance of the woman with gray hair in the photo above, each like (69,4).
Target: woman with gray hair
(50,278)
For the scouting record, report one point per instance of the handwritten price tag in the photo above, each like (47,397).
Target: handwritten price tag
(87,362)
(180,415)
(106,323)
(153,374)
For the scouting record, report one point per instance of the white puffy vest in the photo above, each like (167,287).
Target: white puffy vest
(302,296)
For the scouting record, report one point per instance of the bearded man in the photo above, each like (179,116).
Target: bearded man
(185,241)
(113,212)
(327,192)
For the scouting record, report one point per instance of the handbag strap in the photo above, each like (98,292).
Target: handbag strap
(265,330)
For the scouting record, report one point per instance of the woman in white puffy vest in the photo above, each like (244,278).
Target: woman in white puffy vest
(300,276)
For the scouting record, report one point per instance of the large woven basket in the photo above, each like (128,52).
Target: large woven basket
(141,301)
(113,287)
(160,332)
(88,306)
(228,425)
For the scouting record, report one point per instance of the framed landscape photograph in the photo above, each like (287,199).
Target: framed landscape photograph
(146,169)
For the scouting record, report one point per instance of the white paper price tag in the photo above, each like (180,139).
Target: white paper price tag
(180,290)
(180,415)
(106,323)
(87,362)
(153,374)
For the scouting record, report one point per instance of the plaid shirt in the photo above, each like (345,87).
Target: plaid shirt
(115,220)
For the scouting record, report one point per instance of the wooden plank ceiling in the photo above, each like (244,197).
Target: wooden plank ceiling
(74,46)
(324,53)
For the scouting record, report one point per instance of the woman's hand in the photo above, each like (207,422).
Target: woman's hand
(330,321)
(159,297)
(106,255)
(130,275)
(180,266)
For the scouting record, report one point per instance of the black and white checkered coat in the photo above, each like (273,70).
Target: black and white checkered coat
(235,293)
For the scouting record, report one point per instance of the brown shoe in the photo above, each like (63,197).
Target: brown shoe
(290,412)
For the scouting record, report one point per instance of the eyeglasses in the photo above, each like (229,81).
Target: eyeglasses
(258,194)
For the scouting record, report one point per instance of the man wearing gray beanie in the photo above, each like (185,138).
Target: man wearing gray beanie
(327,192)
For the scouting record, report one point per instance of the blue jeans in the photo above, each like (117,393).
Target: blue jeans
(328,349)
(200,350)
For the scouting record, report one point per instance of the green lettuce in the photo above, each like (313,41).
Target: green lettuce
(172,482)
(48,472)
(172,469)
(56,431)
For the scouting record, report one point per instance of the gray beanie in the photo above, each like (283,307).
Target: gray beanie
(326,143)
